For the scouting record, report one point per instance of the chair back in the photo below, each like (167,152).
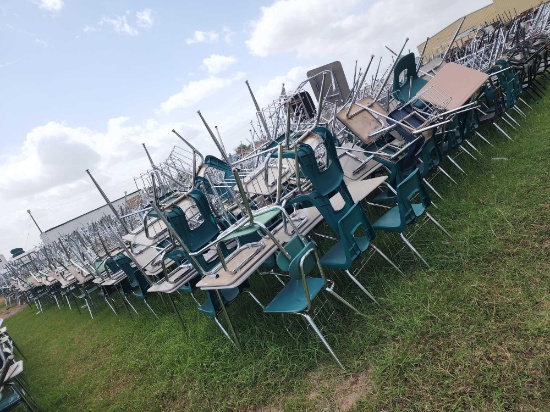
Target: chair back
(296,249)
(204,228)
(405,64)
(355,243)
(406,190)
(327,177)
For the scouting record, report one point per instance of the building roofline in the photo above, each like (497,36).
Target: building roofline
(90,211)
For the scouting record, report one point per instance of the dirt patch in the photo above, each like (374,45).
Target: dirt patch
(6,313)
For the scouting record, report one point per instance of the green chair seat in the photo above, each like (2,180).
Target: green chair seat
(9,401)
(391,220)
(336,256)
(293,298)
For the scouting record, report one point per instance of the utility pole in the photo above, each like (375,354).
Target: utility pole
(29,212)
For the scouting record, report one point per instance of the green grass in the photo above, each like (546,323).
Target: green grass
(470,333)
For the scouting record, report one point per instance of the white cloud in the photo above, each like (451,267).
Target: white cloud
(203,37)
(272,89)
(120,25)
(144,18)
(228,35)
(53,6)
(216,63)
(7,64)
(349,30)
(48,176)
(197,90)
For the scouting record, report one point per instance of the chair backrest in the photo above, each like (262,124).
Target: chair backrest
(431,155)
(353,222)
(324,180)
(296,249)
(134,274)
(205,229)
(405,64)
(409,187)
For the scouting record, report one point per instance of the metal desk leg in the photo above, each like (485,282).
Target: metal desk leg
(226,316)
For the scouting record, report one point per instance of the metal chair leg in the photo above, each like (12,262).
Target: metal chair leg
(483,138)
(387,259)
(432,188)
(318,332)
(524,102)
(413,249)
(254,298)
(502,131)
(330,290)
(466,151)
(360,286)
(150,308)
(446,174)
(511,118)
(438,225)
(224,331)
(457,165)
(125,299)
(517,109)
(473,147)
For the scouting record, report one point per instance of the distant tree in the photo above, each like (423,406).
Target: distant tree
(242,148)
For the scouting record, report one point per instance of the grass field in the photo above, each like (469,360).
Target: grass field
(470,333)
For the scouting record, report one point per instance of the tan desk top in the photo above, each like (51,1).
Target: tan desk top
(361,122)
(458,82)
(225,280)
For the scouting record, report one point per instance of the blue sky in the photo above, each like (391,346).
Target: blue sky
(84,82)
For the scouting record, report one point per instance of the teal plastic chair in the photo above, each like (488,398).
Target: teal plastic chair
(411,84)
(406,213)
(138,282)
(356,235)
(14,389)
(431,159)
(299,292)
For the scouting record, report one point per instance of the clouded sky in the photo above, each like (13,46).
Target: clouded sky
(84,82)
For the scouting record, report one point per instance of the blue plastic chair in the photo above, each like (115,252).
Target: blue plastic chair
(351,245)
(297,295)
(398,218)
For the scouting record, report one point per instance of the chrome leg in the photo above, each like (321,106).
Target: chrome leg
(125,298)
(473,147)
(508,123)
(68,302)
(502,131)
(149,307)
(235,340)
(511,118)
(341,299)
(447,174)
(413,249)
(456,164)
(387,259)
(466,151)
(438,224)
(254,298)
(176,310)
(484,139)
(432,188)
(89,308)
(517,109)
(224,331)
(318,332)
(360,286)
(524,102)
